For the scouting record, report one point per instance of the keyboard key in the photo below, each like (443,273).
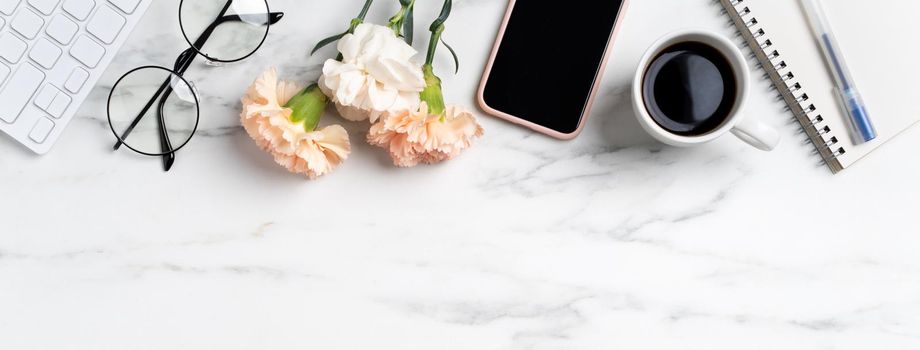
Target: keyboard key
(4,73)
(41,130)
(20,89)
(28,23)
(62,29)
(87,51)
(2,21)
(44,6)
(79,9)
(59,105)
(126,5)
(7,7)
(11,48)
(45,53)
(106,24)
(76,80)
(46,96)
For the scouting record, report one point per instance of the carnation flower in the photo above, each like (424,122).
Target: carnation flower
(374,76)
(422,137)
(282,120)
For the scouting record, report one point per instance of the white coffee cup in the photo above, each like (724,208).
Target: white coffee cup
(751,131)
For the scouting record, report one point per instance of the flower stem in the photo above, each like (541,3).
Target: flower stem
(307,107)
(437,28)
(365,9)
(433,95)
(399,19)
(433,44)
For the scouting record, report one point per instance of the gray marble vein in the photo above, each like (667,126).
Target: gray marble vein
(609,241)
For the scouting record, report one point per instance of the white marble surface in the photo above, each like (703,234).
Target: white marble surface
(606,242)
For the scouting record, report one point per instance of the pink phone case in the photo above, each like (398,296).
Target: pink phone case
(533,126)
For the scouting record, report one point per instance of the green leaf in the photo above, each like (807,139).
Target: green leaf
(408,26)
(328,41)
(454,54)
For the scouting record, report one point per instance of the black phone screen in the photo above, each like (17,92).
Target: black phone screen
(548,59)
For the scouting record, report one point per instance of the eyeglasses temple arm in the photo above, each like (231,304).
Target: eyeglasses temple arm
(169,156)
(273,18)
(182,64)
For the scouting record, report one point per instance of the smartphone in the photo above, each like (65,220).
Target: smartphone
(548,61)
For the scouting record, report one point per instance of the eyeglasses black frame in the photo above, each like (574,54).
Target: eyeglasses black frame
(182,63)
(164,136)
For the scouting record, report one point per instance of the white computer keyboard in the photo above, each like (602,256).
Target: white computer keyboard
(52,52)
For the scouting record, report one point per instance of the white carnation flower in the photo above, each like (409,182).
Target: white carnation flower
(376,75)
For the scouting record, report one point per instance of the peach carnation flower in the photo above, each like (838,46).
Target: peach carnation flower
(421,137)
(282,119)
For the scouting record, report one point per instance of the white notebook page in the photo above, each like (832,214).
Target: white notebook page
(879,57)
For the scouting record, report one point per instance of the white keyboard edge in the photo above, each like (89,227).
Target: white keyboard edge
(20,132)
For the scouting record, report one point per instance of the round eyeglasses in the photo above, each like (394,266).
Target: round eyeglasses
(153,110)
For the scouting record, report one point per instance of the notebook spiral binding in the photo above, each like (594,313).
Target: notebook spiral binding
(789,90)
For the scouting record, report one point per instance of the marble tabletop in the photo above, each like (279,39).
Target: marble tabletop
(610,241)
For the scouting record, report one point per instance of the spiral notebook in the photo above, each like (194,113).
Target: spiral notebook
(886,52)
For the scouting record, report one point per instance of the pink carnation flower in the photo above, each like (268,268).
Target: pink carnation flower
(419,137)
(268,122)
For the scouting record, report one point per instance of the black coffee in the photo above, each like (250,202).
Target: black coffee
(690,89)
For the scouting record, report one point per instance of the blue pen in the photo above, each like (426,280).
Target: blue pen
(847,92)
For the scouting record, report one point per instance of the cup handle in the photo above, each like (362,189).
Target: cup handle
(757,134)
